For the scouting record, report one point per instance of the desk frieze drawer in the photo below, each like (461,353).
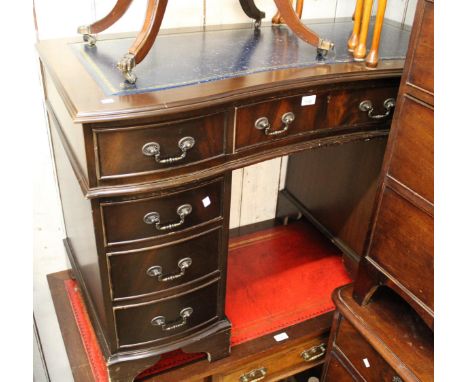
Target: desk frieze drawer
(150,271)
(143,324)
(370,365)
(139,219)
(127,152)
(352,107)
(272,120)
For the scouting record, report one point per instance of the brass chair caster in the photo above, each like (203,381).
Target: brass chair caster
(126,65)
(89,38)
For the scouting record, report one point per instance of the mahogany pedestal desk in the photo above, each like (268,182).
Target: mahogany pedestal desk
(145,183)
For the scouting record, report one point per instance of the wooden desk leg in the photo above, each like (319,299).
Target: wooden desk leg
(110,19)
(144,41)
(251,10)
(277,19)
(290,17)
(357,17)
(372,58)
(360,50)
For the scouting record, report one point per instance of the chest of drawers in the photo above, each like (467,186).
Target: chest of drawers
(145,185)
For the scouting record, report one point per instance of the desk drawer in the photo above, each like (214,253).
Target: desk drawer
(135,220)
(144,272)
(280,365)
(150,322)
(362,356)
(345,110)
(265,122)
(131,151)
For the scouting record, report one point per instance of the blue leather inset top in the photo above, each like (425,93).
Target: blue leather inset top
(191,58)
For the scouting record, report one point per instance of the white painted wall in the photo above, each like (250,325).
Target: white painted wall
(254,189)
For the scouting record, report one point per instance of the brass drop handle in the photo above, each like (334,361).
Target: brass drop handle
(153,149)
(254,375)
(368,107)
(263,124)
(157,271)
(314,353)
(161,320)
(154,218)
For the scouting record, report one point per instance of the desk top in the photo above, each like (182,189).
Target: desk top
(218,66)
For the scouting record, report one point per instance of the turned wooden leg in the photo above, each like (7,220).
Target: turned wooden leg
(290,17)
(127,371)
(216,346)
(360,50)
(357,17)
(373,56)
(144,41)
(277,19)
(111,18)
(251,10)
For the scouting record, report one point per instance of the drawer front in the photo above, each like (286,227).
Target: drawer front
(346,108)
(362,356)
(155,321)
(120,152)
(279,365)
(146,218)
(336,372)
(412,161)
(403,244)
(138,273)
(250,119)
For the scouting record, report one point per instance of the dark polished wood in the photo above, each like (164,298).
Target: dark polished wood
(107,187)
(135,325)
(335,188)
(123,218)
(119,151)
(387,333)
(401,249)
(129,270)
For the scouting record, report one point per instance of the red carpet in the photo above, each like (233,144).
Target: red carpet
(276,278)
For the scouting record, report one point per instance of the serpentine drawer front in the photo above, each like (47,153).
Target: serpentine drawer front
(130,151)
(149,322)
(351,107)
(263,122)
(370,365)
(144,218)
(142,272)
